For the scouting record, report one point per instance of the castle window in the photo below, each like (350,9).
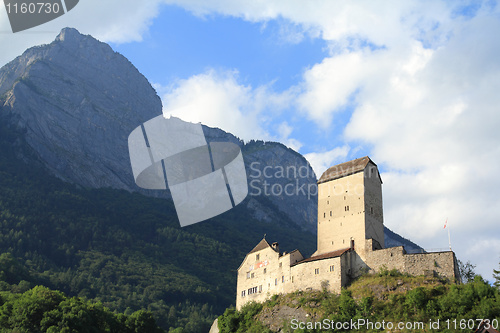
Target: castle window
(260,288)
(346,208)
(243,293)
(328,202)
(275,282)
(330,213)
(371,210)
(324,214)
(340,223)
(332,268)
(281,264)
(252,290)
(248,275)
(283,279)
(344,197)
(292,279)
(252,275)
(332,242)
(316,271)
(265,270)
(343,241)
(257,257)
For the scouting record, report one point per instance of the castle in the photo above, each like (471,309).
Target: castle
(350,242)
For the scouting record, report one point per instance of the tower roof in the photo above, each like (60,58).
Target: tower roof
(345,169)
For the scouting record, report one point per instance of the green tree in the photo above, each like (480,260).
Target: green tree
(496,275)
(466,271)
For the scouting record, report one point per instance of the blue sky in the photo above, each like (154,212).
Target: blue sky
(179,45)
(413,84)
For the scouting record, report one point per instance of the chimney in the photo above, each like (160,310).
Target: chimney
(276,246)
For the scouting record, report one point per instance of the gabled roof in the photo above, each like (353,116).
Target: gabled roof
(345,169)
(328,255)
(261,246)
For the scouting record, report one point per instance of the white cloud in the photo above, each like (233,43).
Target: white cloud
(216,99)
(284,131)
(423,83)
(117,21)
(322,161)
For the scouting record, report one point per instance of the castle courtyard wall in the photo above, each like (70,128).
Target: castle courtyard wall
(443,264)
(317,274)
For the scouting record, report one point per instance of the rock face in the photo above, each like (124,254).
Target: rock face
(77,101)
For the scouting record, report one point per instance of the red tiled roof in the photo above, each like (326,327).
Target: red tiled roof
(328,255)
(345,169)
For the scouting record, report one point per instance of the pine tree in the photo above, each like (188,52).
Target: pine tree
(496,275)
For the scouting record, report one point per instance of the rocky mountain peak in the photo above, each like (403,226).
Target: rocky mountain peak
(77,101)
(70,35)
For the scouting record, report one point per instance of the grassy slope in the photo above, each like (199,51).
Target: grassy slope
(389,297)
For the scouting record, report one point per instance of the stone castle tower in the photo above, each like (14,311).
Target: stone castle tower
(350,207)
(350,242)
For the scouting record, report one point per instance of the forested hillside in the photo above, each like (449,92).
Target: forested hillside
(123,249)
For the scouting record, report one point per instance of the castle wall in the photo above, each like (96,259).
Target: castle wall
(281,275)
(391,258)
(373,209)
(442,264)
(316,275)
(340,213)
(256,276)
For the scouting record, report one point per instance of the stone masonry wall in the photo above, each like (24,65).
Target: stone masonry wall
(313,275)
(443,264)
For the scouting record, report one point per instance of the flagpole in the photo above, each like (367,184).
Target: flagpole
(449,238)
